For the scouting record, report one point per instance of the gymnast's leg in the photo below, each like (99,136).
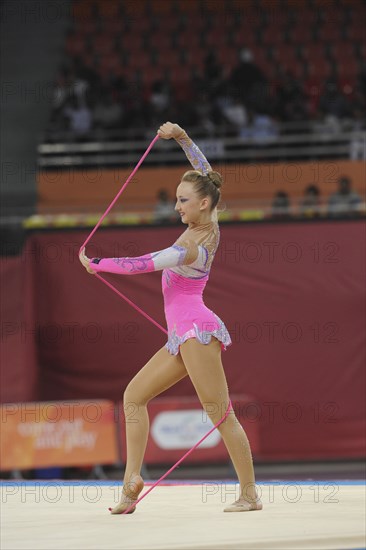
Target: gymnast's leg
(161,372)
(204,367)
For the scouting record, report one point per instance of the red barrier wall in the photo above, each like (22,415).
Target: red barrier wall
(83,189)
(292,296)
(18,350)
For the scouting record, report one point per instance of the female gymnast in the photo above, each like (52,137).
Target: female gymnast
(196,336)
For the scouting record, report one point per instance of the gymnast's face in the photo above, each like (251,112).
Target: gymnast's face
(191,208)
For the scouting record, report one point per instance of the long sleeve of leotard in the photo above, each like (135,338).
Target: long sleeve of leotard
(193,153)
(173,256)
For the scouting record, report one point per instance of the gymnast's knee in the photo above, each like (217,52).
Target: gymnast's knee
(133,397)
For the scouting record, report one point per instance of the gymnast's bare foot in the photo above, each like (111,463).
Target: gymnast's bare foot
(244,505)
(130,493)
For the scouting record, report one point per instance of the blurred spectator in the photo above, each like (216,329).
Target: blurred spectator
(203,113)
(261,129)
(62,89)
(281,208)
(80,117)
(332,102)
(164,211)
(57,127)
(221,96)
(160,96)
(344,202)
(291,102)
(212,74)
(107,112)
(235,113)
(248,81)
(310,204)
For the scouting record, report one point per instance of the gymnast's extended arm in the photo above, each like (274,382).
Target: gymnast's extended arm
(192,151)
(185,253)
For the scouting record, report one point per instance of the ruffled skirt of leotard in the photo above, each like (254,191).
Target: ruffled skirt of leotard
(186,314)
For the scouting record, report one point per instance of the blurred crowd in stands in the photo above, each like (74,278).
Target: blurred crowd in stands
(344,202)
(244,102)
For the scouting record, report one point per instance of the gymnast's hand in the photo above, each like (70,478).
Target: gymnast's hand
(170,130)
(85,261)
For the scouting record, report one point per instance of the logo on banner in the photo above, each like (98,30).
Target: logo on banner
(183,429)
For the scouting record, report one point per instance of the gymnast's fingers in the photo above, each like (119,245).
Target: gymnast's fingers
(163,132)
(84,260)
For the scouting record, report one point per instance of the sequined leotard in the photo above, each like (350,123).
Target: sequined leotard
(186,314)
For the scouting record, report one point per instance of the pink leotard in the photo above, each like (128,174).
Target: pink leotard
(186,314)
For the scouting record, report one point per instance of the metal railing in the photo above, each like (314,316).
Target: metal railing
(302,146)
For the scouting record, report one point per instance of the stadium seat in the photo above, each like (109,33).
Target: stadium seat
(109,9)
(75,44)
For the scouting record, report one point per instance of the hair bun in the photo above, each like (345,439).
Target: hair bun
(216,179)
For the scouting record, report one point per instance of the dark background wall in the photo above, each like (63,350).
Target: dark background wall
(31,38)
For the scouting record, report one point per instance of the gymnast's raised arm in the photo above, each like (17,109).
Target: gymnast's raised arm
(192,151)
(183,254)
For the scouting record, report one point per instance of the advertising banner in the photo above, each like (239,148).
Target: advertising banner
(55,433)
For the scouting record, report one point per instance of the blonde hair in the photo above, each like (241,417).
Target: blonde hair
(205,185)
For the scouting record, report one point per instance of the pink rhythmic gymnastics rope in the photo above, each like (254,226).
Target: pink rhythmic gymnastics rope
(147,317)
(120,192)
(100,221)
(180,460)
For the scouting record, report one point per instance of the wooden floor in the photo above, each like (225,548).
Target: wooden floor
(74,515)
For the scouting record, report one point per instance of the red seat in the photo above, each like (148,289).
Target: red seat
(161,42)
(75,45)
(273,35)
(278,18)
(301,34)
(330,33)
(302,5)
(130,42)
(313,51)
(88,58)
(82,10)
(215,39)
(245,37)
(214,6)
(341,50)
(111,62)
(139,60)
(85,26)
(151,74)
(319,68)
(197,63)
(109,9)
(356,32)
(188,7)
(161,7)
(170,58)
(271,4)
(306,18)
(113,26)
(348,68)
(286,57)
(133,11)
(188,41)
(180,74)
(227,57)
